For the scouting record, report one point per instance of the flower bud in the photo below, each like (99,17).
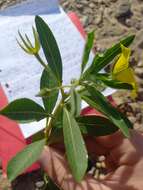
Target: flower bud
(26,44)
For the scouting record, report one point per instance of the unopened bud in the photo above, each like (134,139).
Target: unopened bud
(27,45)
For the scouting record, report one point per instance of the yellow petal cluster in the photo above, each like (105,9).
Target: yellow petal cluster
(123,72)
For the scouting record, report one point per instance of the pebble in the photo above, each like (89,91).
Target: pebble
(98,164)
(101,158)
(132,119)
(39,184)
(103,165)
(124,9)
(139,72)
(96,174)
(91,171)
(84,20)
(101,177)
(92,5)
(140,64)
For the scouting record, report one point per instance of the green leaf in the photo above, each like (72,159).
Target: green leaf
(89,125)
(38,136)
(117,84)
(48,80)
(75,102)
(75,147)
(50,47)
(108,81)
(96,125)
(57,129)
(24,159)
(87,49)
(100,61)
(99,102)
(24,110)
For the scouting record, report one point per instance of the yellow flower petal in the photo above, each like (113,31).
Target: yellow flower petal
(127,76)
(123,61)
(122,72)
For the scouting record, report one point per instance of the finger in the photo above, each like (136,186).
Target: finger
(123,151)
(128,152)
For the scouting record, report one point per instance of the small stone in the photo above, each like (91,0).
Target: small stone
(101,158)
(79,6)
(84,2)
(92,5)
(96,174)
(132,119)
(98,164)
(91,171)
(138,127)
(139,72)
(84,20)
(39,184)
(103,165)
(65,4)
(140,64)
(128,22)
(124,10)
(139,117)
(101,177)
(141,45)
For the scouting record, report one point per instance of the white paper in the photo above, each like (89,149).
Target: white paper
(20,73)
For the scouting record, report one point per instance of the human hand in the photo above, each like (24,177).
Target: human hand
(124,160)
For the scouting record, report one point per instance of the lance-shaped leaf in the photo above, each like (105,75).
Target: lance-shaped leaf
(99,102)
(24,110)
(75,147)
(75,102)
(24,159)
(50,47)
(108,81)
(100,61)
(49,81)
(87,49)
(96,125)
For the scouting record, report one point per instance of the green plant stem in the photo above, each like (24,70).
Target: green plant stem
(40,60)
(43,64)
(49,122)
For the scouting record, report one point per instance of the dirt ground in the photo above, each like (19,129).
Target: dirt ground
(111,19)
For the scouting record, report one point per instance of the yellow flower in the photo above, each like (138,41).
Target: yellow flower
(123,72)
